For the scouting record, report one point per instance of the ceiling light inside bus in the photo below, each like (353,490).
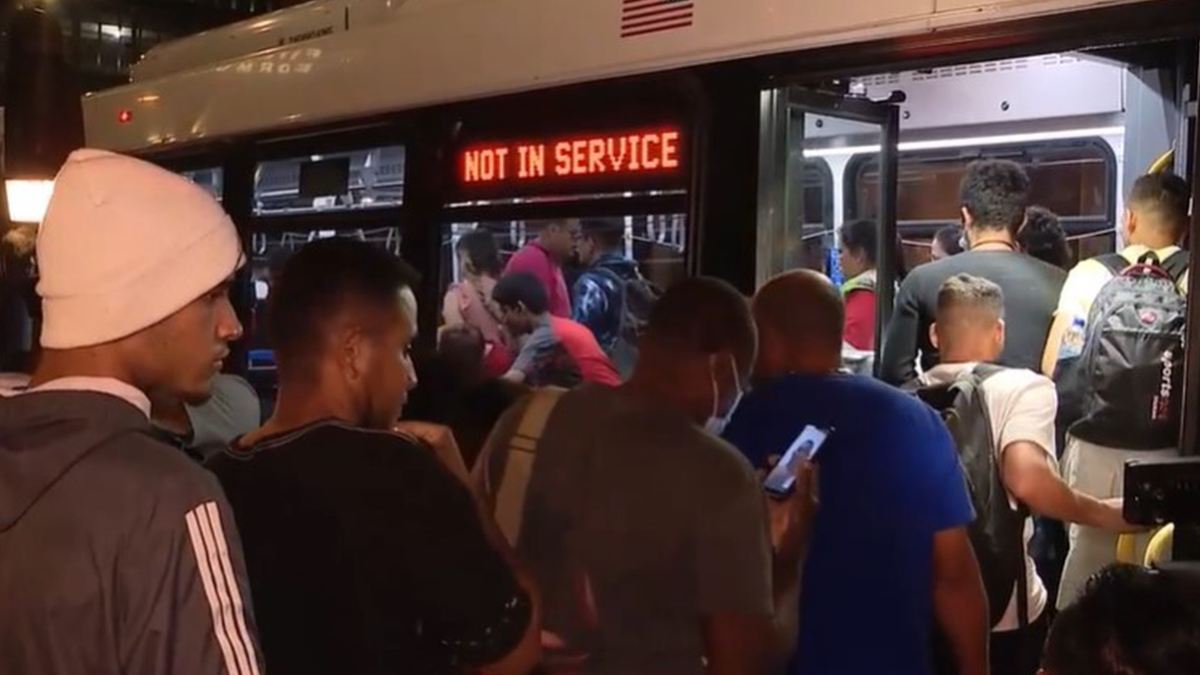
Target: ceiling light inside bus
(27,199)
(945,143)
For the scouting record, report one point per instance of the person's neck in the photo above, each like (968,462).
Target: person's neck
(958,357)
(56,364)
(1153,243)
(662,387)
(298,406)
(993,240)
(171,414)
(812,367)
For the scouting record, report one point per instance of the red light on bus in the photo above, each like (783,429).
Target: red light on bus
(125,117)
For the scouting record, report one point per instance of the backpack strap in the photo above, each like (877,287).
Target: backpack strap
(1113,262)
(518,467)
(985,370)
(1176,265)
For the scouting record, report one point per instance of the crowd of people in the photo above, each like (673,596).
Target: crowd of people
(591,499)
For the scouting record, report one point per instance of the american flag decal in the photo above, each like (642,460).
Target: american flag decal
(641,17)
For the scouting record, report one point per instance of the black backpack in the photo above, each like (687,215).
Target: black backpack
(638,297)
(1128,381)
(997,533)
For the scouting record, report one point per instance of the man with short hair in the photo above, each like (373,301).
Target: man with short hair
(1129,621)
(994,195)
(366,550)
(1021,407)
(554,351)
(1156,219)
(543,259)
(118,554)
(649,536)
(890,550)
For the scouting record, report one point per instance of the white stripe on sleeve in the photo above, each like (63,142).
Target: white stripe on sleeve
(221,590)
(200,549)
(235,593)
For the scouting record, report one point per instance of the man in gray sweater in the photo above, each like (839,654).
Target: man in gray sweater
(118,554)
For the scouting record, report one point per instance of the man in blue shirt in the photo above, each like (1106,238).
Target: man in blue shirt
(890,552)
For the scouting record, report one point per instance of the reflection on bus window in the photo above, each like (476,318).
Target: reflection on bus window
(1074,179)
(657,243)
(342,181)
(620,265)
(211,179)
(808,243)
(269,252)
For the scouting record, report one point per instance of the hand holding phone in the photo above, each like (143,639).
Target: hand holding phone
(782,479)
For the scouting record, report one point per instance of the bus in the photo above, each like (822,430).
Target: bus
(730,138)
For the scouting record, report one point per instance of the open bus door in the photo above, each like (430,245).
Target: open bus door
(1190,433)
(804,135)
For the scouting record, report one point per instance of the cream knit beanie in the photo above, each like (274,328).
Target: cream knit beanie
(125,244)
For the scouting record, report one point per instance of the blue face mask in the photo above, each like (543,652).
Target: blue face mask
(716,421)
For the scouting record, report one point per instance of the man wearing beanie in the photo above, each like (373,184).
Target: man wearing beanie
(118,554)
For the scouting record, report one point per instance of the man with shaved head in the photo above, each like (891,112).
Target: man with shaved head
(662,522)
(890,550)
(1021,407)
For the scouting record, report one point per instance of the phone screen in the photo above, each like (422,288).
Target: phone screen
(782,478)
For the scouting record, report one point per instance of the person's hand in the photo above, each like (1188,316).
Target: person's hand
(440,439)
(1116,521)
(792,518)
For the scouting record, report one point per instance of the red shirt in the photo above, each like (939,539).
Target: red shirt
(860,320)
(534,259)
(579,342)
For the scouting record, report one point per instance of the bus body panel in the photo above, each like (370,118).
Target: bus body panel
(427,52)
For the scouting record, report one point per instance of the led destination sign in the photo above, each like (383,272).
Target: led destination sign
(598,156)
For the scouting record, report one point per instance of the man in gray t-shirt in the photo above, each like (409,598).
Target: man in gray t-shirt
(648,535)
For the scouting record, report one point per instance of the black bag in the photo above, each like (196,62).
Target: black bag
(1129,378)
(638,297)
(997,533)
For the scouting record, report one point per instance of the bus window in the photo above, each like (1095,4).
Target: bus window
(656,244)
(1074,179)
(341,181)
(211,179)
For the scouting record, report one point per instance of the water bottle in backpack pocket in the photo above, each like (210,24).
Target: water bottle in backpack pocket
(1128,379)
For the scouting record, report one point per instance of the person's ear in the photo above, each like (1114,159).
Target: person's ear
(1001,333)
(1131,223)
(354,354)
(967,219)
(933,335)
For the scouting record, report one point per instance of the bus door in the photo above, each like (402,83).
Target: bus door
(805,143)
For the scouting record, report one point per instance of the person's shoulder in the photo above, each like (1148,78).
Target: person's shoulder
(159,472)
(722,462)
(1017,380)
(1044,269)
(932,269)
(349,443)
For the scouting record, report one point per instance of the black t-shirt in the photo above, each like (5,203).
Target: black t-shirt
(365,555)
(1031,288)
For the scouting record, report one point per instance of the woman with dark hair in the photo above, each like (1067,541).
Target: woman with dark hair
(858,253)
(1042,237)
(469,302)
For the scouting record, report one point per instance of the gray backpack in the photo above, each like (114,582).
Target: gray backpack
(1130,374)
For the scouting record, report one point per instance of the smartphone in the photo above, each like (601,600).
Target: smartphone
(782,479)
